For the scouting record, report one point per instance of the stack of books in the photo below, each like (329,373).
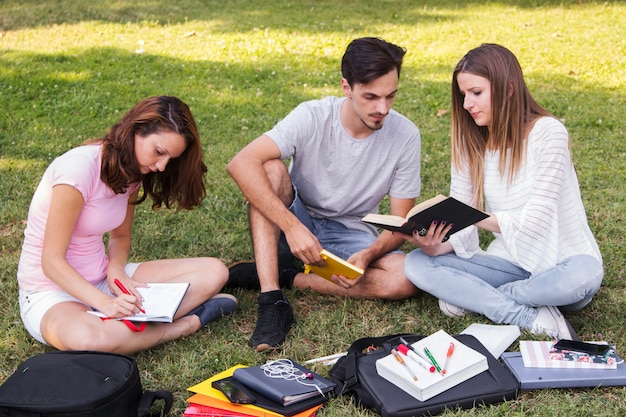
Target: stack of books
(540,364)
(273,393)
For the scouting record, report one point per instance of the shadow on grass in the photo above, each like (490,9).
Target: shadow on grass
(237,16)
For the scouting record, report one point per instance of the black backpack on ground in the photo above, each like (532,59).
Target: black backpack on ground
(355,374)
(78,384)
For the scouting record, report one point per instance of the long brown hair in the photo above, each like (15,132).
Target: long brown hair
(182,182)
(514,112)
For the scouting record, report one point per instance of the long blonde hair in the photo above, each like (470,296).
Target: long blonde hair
(514,112)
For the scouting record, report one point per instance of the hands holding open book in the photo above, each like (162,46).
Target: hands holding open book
(430,223)
(431,241)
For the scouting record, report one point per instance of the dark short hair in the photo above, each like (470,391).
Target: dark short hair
(367,59)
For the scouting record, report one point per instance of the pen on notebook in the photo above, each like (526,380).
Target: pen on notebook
(399,359)
(448,355)
(407,350)
(432,359)
(125,291)
(423,361)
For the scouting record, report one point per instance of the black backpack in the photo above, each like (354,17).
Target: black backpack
(78,384)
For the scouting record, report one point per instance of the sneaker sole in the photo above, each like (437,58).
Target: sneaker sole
(264,346)
(261,347)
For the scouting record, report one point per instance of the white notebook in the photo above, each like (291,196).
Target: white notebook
(495,337)
(464,364)
(160,302)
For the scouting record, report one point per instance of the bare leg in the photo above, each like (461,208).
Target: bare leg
(384,279)
(275,315)
(67,326)
(265,234)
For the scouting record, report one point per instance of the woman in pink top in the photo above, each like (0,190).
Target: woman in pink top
(153,152)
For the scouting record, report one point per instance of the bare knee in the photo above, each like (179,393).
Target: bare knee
(386,287)
(217,270)
(398,289)
(387,280)
(206,275)
(278,176)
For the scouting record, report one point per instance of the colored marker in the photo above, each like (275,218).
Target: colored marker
(432,360)
(448,355)
(125,291)
(399,359)
(408,350)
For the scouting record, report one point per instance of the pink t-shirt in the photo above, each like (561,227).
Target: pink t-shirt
(103,211)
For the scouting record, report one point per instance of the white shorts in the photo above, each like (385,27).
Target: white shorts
(34,305)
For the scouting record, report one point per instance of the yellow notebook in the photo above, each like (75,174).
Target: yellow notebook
(334,266)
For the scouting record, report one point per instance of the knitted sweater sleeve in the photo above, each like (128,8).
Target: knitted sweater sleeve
(528,210)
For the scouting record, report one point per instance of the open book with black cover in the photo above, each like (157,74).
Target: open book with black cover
(420,217)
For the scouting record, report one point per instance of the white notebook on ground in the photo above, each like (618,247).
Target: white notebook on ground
(495,337)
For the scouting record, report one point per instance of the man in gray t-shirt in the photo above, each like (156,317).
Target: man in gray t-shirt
(346,155)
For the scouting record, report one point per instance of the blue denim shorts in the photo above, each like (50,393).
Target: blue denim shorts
(332,235)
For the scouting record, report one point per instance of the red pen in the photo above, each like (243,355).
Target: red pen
(125,291)
(450,352)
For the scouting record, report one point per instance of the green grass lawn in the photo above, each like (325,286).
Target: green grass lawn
(69,69)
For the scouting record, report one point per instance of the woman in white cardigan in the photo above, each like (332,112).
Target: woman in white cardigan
(511,158)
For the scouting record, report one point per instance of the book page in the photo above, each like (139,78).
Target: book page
(160,302)
(162,299)
(398,221)
(425,204)
(388,219)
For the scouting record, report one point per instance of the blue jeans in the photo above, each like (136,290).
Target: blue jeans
(502,291)
(332,235)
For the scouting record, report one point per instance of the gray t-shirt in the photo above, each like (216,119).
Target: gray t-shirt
(342,178)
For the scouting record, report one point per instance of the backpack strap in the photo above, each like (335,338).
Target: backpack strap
(150,397)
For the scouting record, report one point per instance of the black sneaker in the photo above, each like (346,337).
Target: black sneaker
(275,319)
(214,308)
